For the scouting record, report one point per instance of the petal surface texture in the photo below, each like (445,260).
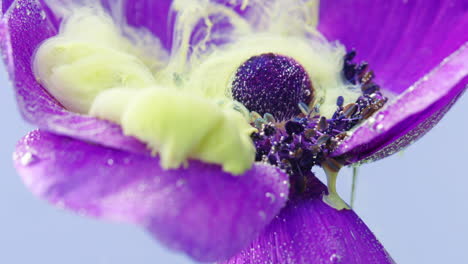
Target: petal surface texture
(153,15)
(24,25)
(309,231)
(401,40)
(200,210)
(417,50)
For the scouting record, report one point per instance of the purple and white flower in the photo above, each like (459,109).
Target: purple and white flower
(276,210)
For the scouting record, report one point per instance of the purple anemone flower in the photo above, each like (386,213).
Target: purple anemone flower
(276,211)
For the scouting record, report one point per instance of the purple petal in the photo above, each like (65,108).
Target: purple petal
(402,40)
(23,27)
(412,114)
(206,213)
(309,231)
(153,15)
(6,4)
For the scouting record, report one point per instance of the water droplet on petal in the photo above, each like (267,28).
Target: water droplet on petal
(335,258)
(270,196)
(380,117)
(379,127)
(27,159)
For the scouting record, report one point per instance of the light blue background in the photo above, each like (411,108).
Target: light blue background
(415,203)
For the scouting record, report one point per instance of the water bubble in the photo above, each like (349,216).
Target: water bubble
(379,127)
(270,196)
(32,107)
(27,159)
(380,117)
(335,258)
(110,162)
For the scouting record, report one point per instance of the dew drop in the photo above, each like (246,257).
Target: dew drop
(335,258)
(380,117)
(27,159)
(32,107)
(379,127)
(270,196)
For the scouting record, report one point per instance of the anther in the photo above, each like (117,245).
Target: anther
(323,124)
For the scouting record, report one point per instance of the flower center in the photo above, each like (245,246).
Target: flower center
(274,84)
(306,140)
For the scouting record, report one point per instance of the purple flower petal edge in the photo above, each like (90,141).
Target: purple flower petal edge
(411,115)
(200,210)
(402,40)
(309,231)
(23,26)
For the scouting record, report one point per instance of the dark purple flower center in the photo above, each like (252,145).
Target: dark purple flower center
(274,84)
(307,139)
